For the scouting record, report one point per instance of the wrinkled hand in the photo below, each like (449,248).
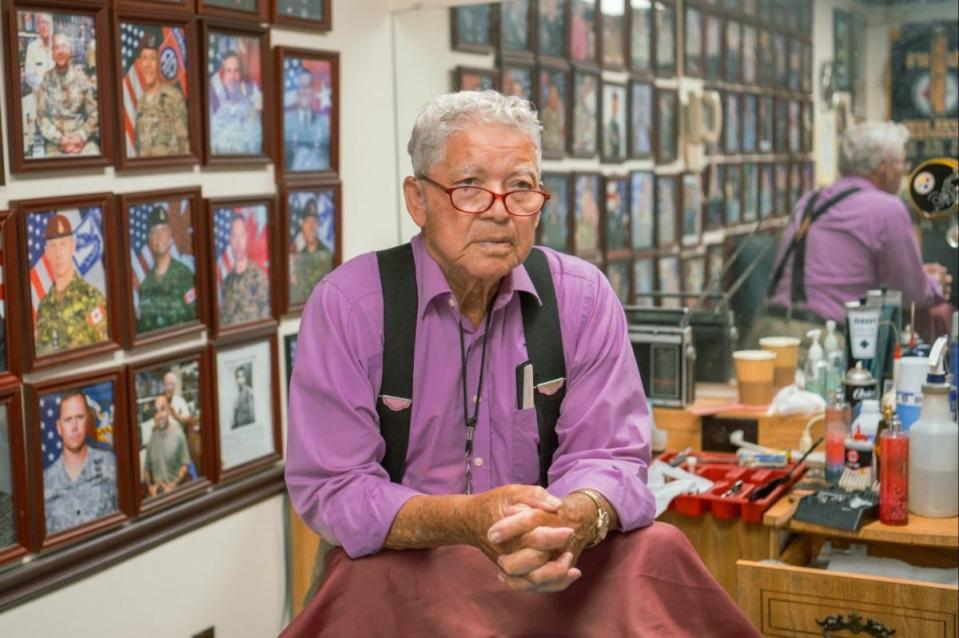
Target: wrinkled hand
(493,505)
(941,274)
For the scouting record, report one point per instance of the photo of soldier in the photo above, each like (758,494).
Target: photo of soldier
(617,214)
(235,105)
(552,28)
(307,114)
(243,265)
(554,220)
(8,531)
(301,9)
(58,84)
(553,92)
(153,66)
(79,463)
(245,402)
(586,211)
(617,272)
(614,122)
(162,264)
(584,114)
(641,207)
(644,281)
(68,281)
(641,119)
(514,25)
(312,240)
(243,409)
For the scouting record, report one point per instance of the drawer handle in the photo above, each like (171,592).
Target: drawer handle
(855,625)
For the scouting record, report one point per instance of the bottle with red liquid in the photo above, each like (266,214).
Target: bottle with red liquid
(894,470)
(838,419)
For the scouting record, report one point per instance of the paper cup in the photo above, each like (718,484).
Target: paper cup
(787,358)
(755,370)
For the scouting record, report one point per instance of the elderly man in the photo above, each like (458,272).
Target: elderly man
(167,459)
(246,289)
(852,236)
(67,113)
(168,292)
(39,57)
(467,543)
(161,127)
(81,485)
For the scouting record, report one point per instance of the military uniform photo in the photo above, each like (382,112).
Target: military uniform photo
(246,296)
(167,299)
(308,264)
(70,502)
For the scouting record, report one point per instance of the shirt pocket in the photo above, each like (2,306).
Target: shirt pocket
(525,459)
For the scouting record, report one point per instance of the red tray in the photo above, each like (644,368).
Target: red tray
(724,470)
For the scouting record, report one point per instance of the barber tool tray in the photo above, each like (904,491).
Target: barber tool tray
(728,498)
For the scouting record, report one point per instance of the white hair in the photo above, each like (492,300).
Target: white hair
(867,145)
(453,112)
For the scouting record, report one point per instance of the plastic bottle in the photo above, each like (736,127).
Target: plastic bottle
(835,359)
(894,470)
(934,446)
(887,412)
(954,364)
(857,455)
(838,417)
(816,367)
(912,373)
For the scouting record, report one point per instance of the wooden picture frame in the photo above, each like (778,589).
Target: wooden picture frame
(780,125)
(765,112)
(306,113)
(94,319)
(614,127)
(584,33)
(733,193)
(15,542)
(192,418)
(795,184)
(713,47)
(613,31)
(517,42)
(691,198)
(469,78)
(258,215)
(10,281)
(228,361)
(667,210)
(715,264)
(642,206)
(732,135)
(170,311)
(286,15)
(693,278)
(617,228)
(584,113)
(749,122)
(666,119)
(222,9)
(552,31)
(669,281)
(714,209)
(694,55)
(751,192)
(43,410)
(517,77)
(87,148)
(779,62)
(173,85)
(733,50)
(639,40)
(641,130)
(187,7)
(843,47)
(644,281)
(554,229)
(236,139)
(553,109)
(299,267)
(766,190)
(749,58)
(619,273)
(587,226)
(471,28)
(664,38)
(781,189)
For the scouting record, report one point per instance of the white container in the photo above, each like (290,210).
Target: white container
(912,374)
(868,420)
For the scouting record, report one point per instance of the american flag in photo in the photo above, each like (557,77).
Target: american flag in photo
(172,69)
(141,259)
(100,402)
(320,70)
(247,48)
(325,208)
(256,233)
(87,225)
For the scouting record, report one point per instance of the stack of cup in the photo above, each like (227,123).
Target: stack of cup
(755,370)
(786,350)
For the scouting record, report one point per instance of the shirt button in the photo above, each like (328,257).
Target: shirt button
(452,302)
(478,461)
(476,398)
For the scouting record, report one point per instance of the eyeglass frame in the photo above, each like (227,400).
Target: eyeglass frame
(449,192)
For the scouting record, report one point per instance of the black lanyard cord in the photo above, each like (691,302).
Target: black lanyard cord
(468,421)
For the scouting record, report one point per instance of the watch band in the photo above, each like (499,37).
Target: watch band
(602,516)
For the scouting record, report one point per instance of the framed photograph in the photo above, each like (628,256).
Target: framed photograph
(766,188)
(553,229)
(515,24)
(664,28)
(731,134)
(616,212)
(781,190)
(289,356)
(314,15)
(78,447)
(613,147)
(613,30)
(242,263)
(795,129)
(715,204)
(693,278)
(749,57)
(808,177)
(236,87)
(642,210)
(165,288)
(842,47)
(586,202)
(693,54)
(585,114)
(779,60)
(618,273)
(66,254)
(640,119)
(471,28)
(692,199)
(310,107)
(467,78)
(552,99)
(172,438)
(185,6)
(667,126)
(518,78)
(156,79)
(311,220)
(765,71)
(734,42)
(59,90)
(715,261)
(669,282)
(806,128)
(750,191)
(794,66)
(667,210)
(733,193)
(644,281)
(13,478)
(805,68)
(583,28)
(551,29)
(640,36)
(246,387)
(10,325)
(713,47)
(781,124)
(750,123)
(254,10)
(795,184)
(764,121)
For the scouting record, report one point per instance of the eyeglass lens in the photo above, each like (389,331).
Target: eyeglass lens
(477,200)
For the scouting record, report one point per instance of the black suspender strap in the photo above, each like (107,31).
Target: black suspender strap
(544,346)
(398,278)
(797,247)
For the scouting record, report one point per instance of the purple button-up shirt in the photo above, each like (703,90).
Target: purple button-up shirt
(864,242)
(334,447)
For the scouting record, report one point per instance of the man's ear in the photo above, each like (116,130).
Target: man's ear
(415,196)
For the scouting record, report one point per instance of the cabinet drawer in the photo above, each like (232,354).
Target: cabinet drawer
(784,600)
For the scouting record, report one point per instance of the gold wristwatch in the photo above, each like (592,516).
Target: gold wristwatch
(602,516)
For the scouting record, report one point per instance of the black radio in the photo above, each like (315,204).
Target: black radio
(663,346)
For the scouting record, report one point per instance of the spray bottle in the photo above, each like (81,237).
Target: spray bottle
(834,358)
(894,473)
(934,446)
(838,419)
(816,367)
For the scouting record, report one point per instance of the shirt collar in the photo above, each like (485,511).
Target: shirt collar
(858,180)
